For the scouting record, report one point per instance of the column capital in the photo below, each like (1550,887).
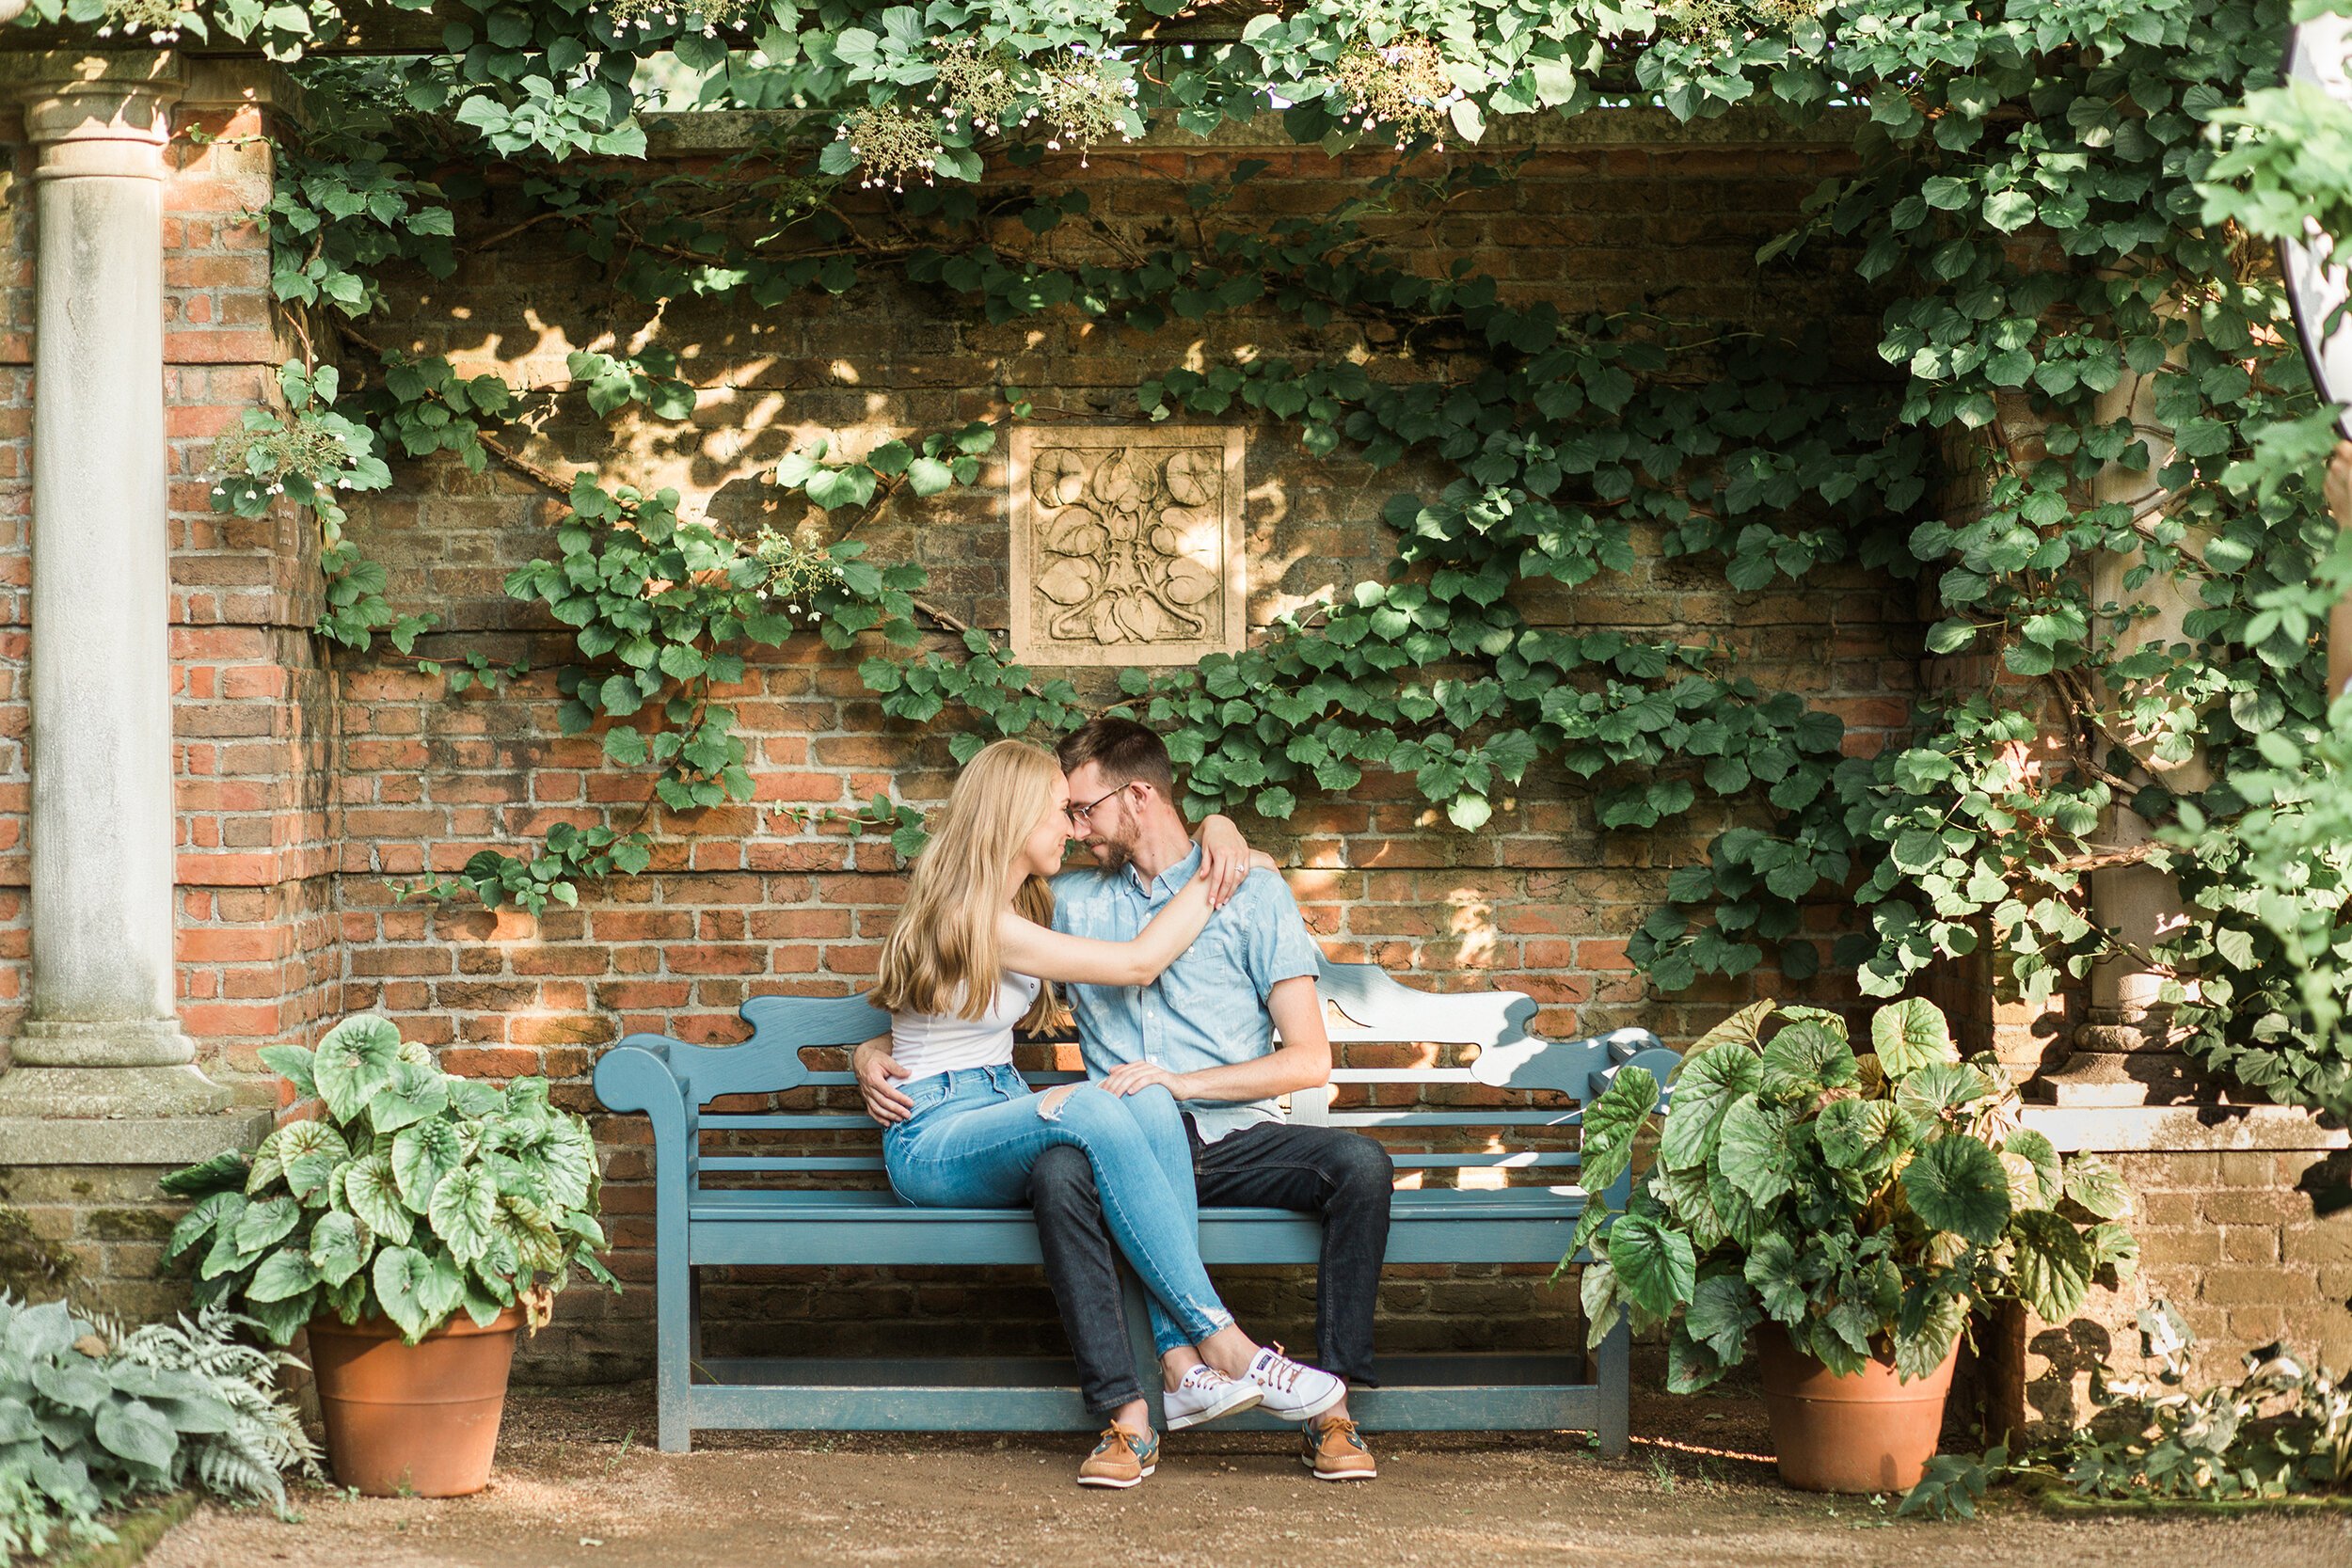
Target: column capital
(96,114)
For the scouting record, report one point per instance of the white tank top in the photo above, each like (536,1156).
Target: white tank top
(928,1043)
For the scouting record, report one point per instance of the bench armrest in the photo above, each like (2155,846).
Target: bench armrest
(636,1075)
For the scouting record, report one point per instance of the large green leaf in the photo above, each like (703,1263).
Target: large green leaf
(309,1152)
(1655,1266)
(197,1222)
(294,1064)
(1686,1196)
(1690,1363)
(2032,1162)
(1802,1060)
(1598,1290)
(421,1155)
(372,1191)
(1863,1135)
(1776,1274)
(1935,1097)
(1752,1149)
(397,1274)
(354,1061)
(1704,1088)
(1610,1122)
(74,1383)
(1925,1334)
(1723,1308)
(339,1246)
(464,1206)
(1957,1184)
(2114,1254)
(1739,1029)
(2053,1264)
(2097,1186)
(284,1273)
(224,1172)
(263,1225)
(417,1091)
(136,1432)
(1908,1035)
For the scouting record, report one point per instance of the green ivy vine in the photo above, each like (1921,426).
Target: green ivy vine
(2062,203)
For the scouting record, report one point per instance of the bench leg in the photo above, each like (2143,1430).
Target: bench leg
(675,1332)
(1612,1372)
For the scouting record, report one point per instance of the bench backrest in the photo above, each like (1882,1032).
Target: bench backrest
(1372,1006)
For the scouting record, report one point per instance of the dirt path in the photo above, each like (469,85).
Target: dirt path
(575,1486)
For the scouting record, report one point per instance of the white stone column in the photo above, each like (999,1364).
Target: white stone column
(102,1038)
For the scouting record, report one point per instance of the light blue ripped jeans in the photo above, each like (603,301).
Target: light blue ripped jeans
(975,1132)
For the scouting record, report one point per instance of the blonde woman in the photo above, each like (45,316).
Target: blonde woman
(974,955)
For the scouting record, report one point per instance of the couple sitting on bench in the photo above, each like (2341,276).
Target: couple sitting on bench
(1179,962)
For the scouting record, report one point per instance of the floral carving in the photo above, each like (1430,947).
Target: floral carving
(1128,541)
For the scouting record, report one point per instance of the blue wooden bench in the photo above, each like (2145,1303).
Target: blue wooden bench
(823,1216)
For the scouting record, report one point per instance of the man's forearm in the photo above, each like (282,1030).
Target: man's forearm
(1304,1066)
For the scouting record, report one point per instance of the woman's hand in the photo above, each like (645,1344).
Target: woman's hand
(877,1071)
(1128,1077)
(1225,859)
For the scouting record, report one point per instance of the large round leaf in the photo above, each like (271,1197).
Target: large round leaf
(309,1152)
(339,1246)
(464,1206)
(1752,1149)
(283,1274)
(354,1061)
(262,1224)
(2053,1264)
(398,1272)
(1777,1276)
(1723,1310)
(421,1155)
(1704,1088)
(416,1091)
(1802,1060)
(1908,1035)
(1655,1266)
(2032,1162)
(136,1432)
(1935,1097)
(1957,1184)
(2097,1186)
(1862,1136)
(372,1191)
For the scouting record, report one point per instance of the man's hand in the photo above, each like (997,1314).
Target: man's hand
(1128,1077)
(2338,490)
(877,1070)
(1225,859)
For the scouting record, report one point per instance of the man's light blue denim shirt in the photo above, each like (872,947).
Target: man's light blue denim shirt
(1207,1008)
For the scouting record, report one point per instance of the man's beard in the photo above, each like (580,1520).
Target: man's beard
(1111,855)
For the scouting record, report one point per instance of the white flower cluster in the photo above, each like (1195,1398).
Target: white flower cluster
(1081,100)
(159,20)
(294,447)
(1697,21)
(797,573)
(708,16)
(975,84)
(1402,84)
(891,143)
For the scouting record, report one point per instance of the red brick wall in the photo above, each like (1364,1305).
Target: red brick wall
(307,782)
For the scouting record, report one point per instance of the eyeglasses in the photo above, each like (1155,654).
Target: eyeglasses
(1077,814)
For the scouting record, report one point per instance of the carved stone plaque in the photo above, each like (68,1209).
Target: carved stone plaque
(1126,544)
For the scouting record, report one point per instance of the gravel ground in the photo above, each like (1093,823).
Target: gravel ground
(577,1485)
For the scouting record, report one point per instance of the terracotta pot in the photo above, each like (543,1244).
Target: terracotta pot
(413,1421)
(1860,1432)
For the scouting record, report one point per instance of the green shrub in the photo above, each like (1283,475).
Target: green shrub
(1864,1203)
(416,1195)
(90,1419)
(2283,1429)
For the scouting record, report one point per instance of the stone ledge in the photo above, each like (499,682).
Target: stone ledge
(129,1140)
(2130,1128)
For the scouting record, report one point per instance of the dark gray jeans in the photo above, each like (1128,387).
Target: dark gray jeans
(1342,1176)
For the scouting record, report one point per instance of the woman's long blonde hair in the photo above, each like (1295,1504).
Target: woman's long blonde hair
(943,954)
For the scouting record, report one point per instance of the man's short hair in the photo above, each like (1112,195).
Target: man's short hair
(1124,750)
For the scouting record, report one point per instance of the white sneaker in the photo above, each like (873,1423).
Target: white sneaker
(1206,1394)
(1292,1390)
